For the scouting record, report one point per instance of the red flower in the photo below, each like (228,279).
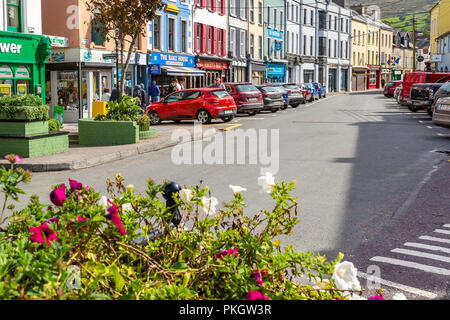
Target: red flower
(75,185)
(258,276)
(43,234)
(256,295)
(58,196)
(113,215)
(376,298)
(227,253)
(83,219)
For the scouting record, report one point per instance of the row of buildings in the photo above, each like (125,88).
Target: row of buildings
(440,36)
(345,48)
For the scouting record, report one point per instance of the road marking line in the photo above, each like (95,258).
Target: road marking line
(422,254)
(434,239)
(442,231)
(426,246)
(446,225)
(414,265)
(402,287)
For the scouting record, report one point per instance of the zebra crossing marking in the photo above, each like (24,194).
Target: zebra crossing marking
(421,254)
(442,231)
(426,246)
(434,239)
(414,265)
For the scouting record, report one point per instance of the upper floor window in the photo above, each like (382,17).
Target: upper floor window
(252,11)
(260,9)
(157,33)
(13,15)
(97,35)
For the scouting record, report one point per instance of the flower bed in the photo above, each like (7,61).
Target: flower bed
(169,243)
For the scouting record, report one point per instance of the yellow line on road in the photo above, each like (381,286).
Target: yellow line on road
(230,127)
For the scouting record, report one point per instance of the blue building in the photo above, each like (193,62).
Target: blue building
(170,45)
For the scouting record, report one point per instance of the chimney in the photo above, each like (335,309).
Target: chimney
(360,8)
(342,3)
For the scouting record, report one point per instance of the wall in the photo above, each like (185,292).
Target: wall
(30,15)
(359,47)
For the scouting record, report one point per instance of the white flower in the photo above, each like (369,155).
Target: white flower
(237,189)
(344,276)
(399,296)
(322,284)
(209,205)
(267,182)
(186,195)
(127,207)
(104,202)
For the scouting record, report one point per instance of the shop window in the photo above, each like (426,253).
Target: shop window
(13,15)
(97,32)
(183,36)
(156,33)
(171,34)
(67,89)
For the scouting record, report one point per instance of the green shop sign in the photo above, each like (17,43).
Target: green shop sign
(23,48)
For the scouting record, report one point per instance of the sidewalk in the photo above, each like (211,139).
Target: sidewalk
(79,157)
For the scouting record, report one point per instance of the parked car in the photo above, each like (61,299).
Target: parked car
(312,89)
(247,97)
(390,87)
(443,92)
(441,114)
(398,93)
(418,77)
(305,91)
(294,94)
(422,96)
(284,93)
(272,97)
(321,91)
(202,104)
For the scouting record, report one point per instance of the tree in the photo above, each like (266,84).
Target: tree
(123,21)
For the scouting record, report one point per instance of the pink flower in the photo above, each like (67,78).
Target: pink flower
(113,215)
(58,196)
(376,298)
(227,253)
(75,185)
(83,219)
(256,295)
(43,234)
(13,158)
(258,276)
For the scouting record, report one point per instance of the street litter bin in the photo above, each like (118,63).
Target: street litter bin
(99,107)
(58,114)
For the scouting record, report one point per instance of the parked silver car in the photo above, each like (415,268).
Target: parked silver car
(398,93)
(441,114)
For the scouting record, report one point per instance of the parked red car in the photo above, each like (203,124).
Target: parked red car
(390,87)
(200,104)
(307,94)
(247,97)
(418,77)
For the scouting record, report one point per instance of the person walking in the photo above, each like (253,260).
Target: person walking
(142,95)
(106,95)
(114,94)
(155,92)
(178,85)
(217,84)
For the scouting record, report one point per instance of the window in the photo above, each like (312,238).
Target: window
(157,33)
(260,47)
(335,23)
(304,45)
(269,47)
(97,36)
(312,17)
(359,37)
(329,22)
(171,34)
(287,41)
(252,45)
(340,50)
(311,45)
(198,37)
(322,46)
(329,48)
(260,8)
(252,11)
(233,41)
(287,11)
(243,9)
(13,15)
(233,7)
(322,20)
(210,39)
(221,8)
(275,18)
(305,16)
(219,42)
(268,16)
(335,48)
(183,36)
(281,21)
(242,43)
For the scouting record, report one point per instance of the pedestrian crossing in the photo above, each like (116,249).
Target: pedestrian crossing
(433,252)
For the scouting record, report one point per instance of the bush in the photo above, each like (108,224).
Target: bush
(127,109)
(54,125)
(143,122)
(30,105)
(90,247)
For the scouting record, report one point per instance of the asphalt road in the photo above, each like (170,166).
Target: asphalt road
(368,183)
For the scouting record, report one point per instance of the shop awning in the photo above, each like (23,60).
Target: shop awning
(183,71)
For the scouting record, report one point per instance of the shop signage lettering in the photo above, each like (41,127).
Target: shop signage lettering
(215,65)
(155,69)
(172,60)
(274,34)
(10,48)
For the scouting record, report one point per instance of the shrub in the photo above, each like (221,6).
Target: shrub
(143,122)
(127,109)
(136,246)
(54,125)
(30,105)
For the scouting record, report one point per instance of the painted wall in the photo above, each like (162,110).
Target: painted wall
(30,16)
(359,47)
(256,28)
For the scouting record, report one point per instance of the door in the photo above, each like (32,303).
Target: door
(170,106)
(191,103)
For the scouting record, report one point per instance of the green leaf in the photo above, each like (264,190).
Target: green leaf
(180,265)
(119,282)
(99,218)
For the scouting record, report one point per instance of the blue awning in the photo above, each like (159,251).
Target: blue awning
(183,71)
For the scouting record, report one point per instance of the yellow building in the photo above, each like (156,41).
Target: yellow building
(256,41)
(386,51)
(359,52)
(440,25)
(434,28)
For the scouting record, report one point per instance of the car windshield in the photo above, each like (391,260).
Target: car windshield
(281,89)
(220,94)
(292,87)
(246,88)
(390,84)
(269,89)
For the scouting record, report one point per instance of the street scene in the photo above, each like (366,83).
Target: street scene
(215,150)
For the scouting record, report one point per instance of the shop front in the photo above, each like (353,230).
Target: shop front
(238,71)
(22,63)
(397,75)
(213,69)
(332,78)
(166,67)
(257,72)
(76,78)
(359,79)
(344,79)
(386,76)
(275,72)
(373,76)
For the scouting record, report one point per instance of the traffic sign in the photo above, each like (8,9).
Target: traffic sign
(420,58)
(109,56)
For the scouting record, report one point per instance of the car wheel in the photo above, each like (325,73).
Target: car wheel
(177,121)
(294,106)
(203,116)
(251,114)
(228,119)
(304,101)
(413,108)
(273,110)
(430,111)
(154,118)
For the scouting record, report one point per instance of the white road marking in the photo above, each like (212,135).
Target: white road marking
(399,286)
(426,246)
(422,254)
(434,239)
(446,225)
(442,231)
(414,265)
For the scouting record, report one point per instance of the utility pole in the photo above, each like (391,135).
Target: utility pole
(414,42)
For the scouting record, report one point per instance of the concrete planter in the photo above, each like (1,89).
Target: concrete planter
(149,134)
(22,128)
(107,133)
(35,146)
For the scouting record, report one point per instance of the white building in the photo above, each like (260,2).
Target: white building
(292,42)
(22,16)
(308,42)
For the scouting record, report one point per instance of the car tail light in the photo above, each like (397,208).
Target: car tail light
(289,91)
(265,95)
